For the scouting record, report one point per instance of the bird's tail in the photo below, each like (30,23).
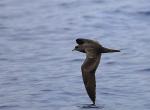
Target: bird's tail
(107,50)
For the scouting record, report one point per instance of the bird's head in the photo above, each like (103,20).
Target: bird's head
(79,48)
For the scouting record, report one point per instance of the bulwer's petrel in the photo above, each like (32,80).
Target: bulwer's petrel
(93,52)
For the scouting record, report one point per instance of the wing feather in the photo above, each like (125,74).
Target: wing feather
(88,72)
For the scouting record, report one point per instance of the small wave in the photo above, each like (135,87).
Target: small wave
(71,4)
(98,1)
(7,106)
(76,60)
(4,59)
(46,90)
(89,106)
(111,62)
(146,13)
(145,70)
(89,17)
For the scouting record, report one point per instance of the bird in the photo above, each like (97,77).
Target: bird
(93,50)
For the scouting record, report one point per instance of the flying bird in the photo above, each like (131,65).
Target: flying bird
(93,51)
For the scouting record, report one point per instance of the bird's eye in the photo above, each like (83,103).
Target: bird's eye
(76,47)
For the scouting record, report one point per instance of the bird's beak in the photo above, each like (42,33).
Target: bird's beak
(107,50)
(73,49)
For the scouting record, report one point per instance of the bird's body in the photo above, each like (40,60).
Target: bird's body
(93,52)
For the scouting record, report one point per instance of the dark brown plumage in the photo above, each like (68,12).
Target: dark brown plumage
(93,52)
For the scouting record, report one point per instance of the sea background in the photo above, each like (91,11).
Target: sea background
(39,71)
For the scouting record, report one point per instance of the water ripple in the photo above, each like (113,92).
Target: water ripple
(144,13)
(8,106)
(39,70)
(144,70)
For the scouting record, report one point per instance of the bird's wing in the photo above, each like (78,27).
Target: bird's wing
(88,72)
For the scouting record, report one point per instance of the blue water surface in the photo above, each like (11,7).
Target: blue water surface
(38,70)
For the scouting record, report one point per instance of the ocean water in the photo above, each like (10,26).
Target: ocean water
(38,70)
